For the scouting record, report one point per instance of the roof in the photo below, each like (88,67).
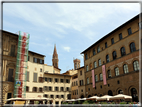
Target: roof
(111,33)
(36,53)
(80,68)
(57,68)
(56,74)
(9,32)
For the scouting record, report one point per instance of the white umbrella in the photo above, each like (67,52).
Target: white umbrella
(121,96)
(71,100)
(105,97)
(17,98)
(92,98)
(81,99)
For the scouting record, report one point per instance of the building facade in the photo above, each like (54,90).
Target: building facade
(114,60)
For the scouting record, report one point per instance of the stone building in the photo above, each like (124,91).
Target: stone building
(114,60)
(9,52)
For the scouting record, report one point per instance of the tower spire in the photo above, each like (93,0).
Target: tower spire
(55,57)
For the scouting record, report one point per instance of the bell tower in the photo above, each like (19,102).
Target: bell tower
(76,63)
(55,58)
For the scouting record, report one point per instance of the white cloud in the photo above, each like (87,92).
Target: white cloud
(66,48)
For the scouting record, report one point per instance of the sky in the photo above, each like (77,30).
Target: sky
(73,27)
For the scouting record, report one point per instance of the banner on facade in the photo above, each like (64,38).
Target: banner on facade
(93,78)
(104,74)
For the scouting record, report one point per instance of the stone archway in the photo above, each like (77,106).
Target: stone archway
(134,95)
(110,93)
(82,96)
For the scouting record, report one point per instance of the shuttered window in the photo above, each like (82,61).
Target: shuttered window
(12,53)
(10,75)
(27,76)
(35,77)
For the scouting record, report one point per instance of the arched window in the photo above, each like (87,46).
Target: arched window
(98,49)
(123,51)
(95,64)
(109,74)
(107,58)
(116,71)
(101,76)
(114,55)
(40,89)
(125,68)
(99,62)
(34,89)
(94,52)
(136,65)
(27,88)
(87,80)
(96,78)
(132,47)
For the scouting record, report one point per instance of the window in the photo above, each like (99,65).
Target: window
(40,89)
(51,96)
(132,47)
(40,61)
(87,68)
(76,83)
(80,72)
(87,80)
(123,51)
(118,82)
(67,89)
(116,71)
(28,58)
(120,36)
(101,88)
(56,88)
(114,55)
(57,96)
(45,95)
(10,75)
(27,76)
(61,80)
(75,92)
(62,89)
(50,88)
(75,66)
(35,60)
(109,74)
(40,79)
(96,78)
(49,79)
(45,79)
(62,96)
(136,65)
(45,88)
(95,64)
(107,58)
(35,77)
(140,25)
(129,31)
(100,62)
(101,76)
(27,89)
(86,57)
(56,80)
(88,89)
(12,53)
(34,89)
(40,70)
(98,49)
(106,45)
(94,52)
(125,68)
(81,90)
(67,81)
(81,82)
(112,41)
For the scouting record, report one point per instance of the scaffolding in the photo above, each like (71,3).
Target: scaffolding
(21,65)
